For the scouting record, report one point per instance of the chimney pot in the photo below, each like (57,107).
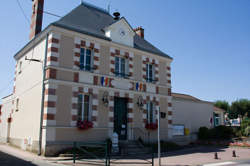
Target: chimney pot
(139,31)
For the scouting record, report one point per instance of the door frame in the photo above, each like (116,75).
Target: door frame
(126,115)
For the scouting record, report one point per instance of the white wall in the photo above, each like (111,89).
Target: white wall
(26,120)
(192,114)
(6,111)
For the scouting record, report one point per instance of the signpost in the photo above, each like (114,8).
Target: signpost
(159,140)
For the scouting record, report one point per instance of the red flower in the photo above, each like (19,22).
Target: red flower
(151,126)
(84,125)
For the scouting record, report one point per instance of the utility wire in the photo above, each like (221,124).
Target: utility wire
(51,14)
(26,18)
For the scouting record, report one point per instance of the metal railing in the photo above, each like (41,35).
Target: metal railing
(80,146)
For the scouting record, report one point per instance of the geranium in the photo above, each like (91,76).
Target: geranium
(84,125)
(151,126)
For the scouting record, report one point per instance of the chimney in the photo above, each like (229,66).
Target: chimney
(116,15)
(36,18)
(139,31)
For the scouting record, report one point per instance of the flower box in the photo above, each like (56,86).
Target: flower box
(151,126)
(84,125)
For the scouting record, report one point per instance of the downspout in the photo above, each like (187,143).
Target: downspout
(42,101)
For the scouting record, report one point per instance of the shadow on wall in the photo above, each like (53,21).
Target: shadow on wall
(7,160)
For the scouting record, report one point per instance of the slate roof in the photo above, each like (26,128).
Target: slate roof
(91,20)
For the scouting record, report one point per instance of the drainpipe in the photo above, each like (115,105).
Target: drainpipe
(42,102)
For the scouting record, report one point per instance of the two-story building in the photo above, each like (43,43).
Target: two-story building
(84,77)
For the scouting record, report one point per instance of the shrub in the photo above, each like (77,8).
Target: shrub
(165,146)
(203,133)
(244,125)
(219,133)
(247,131)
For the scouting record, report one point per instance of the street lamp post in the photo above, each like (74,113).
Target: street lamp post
(159,140)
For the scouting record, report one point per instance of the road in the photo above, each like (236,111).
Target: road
(231,163)
(10,160)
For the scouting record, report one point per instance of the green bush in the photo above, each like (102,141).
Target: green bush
(247,131)
(244,125)
(203,133)
(165,146)
(219,133)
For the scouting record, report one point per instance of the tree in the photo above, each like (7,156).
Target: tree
(241,107)
(222,104)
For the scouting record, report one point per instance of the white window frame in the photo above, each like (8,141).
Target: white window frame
(82,118)
(126,67)
(85,58)
(150,78)
(150,105)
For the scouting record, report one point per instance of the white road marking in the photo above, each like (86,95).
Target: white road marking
(220,164)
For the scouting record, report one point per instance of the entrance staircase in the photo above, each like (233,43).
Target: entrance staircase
(133,148)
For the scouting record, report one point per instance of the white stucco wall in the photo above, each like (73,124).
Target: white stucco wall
(26,119)
(6,110)
(192,114)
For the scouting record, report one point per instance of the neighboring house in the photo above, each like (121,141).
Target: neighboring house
(219,116)
(5,118)
(100,74)
(189,115)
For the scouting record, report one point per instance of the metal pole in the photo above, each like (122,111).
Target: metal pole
(42,102)
(159,140)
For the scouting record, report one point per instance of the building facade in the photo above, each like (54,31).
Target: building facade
(100,76)
(189,115)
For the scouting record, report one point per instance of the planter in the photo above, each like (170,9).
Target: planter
(151,126)
(84,125)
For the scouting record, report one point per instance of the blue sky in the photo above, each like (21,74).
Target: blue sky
(208,39)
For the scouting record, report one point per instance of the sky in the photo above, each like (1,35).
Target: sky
(209,40)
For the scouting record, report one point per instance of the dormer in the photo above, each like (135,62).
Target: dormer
(120,32)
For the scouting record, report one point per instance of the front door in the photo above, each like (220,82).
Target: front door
(120,117)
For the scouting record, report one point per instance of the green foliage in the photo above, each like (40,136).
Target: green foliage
(222,104)
(244,125)
(218,133)
(247,131)
(203,133)
(241,107)
(165,146)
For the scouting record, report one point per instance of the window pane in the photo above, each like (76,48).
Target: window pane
(123,66)
(88,52)
(117,65)
(88,63)
(151,112)
(86,107)
(79,110)
(82,54)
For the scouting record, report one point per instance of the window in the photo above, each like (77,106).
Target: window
(121,67)
(151,112)
(84,107)
(17,104)
(150,73)
(20,67)
(85,59)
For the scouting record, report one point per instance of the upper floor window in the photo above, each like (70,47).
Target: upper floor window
(17,104)
(121,67)
(86,59)
(150,73)
(20,67)
(151,118)
(84,107)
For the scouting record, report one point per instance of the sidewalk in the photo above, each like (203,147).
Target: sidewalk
(185,157)
(205,155)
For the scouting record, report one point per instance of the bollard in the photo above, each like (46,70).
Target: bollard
(234,153)
(215,155)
